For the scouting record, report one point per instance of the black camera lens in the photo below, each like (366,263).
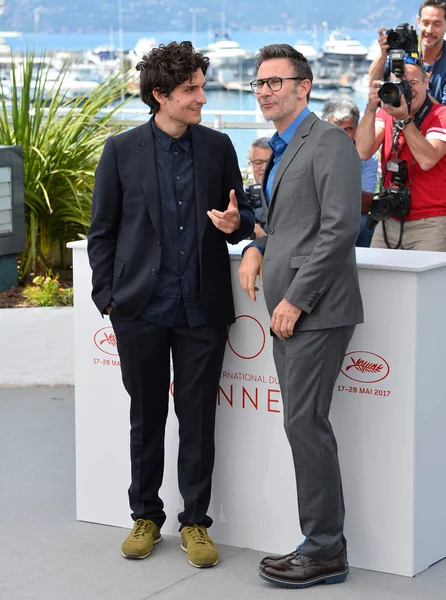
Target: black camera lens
(386,206)
(389,93)
(394,39)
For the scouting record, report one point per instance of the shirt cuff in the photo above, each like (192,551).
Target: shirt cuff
(253,245)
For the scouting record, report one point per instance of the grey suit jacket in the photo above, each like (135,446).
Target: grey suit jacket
(313,221)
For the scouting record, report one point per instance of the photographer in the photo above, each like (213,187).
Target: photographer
(344,113)
(432,52)
(411,208)
(258,156)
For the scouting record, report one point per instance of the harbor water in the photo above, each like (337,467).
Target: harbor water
(216,99)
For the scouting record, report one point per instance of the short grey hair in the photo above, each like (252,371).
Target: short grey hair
(261,142)
(339,110)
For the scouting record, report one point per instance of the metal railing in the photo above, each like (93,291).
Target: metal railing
(219,120)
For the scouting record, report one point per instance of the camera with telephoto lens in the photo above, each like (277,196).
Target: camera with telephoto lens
(393,200)
(403,37)
(391,91)
(403,40)
(253,195)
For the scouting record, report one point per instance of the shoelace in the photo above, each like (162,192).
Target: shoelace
(301,545)
(299,548)
(197,535)
(142,527)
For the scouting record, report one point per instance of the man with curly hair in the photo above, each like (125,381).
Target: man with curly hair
(168,196)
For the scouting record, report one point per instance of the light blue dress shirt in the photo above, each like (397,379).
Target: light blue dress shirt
(279,144)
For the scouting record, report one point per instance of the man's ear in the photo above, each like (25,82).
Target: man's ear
(161,98)
(304,88)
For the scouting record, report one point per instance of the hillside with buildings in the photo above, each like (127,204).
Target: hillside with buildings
(176,15)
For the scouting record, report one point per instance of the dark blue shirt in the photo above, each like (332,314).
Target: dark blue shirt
(437,79)
(176,297)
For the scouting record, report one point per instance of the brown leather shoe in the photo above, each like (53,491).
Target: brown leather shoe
(302,571)
(270,559)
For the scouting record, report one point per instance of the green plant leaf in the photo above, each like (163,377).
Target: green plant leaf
(62,141)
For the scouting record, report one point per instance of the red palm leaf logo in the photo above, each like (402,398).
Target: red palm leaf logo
(109,339)
(105,340)
(365,367)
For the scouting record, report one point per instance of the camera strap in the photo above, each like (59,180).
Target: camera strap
(422,112)
(394,152)
(419,117)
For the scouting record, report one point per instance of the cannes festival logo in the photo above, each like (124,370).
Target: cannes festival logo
(105,340)
(246,337)
(365,367)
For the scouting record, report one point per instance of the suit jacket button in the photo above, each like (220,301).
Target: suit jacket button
(154,271)
(159,243)
(270,232)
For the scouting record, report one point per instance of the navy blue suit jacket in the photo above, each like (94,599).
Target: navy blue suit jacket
(124,241)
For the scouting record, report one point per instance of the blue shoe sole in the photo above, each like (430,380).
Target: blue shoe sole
(327,579)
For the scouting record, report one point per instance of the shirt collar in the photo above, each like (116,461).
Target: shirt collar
(165,140)
(430,67)
(278,142)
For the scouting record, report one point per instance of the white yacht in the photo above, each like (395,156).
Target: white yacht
(229,63)
(225,53)
(5,49)
(75,83)
(142,47)
(342,48)
(105,59)
(309,51)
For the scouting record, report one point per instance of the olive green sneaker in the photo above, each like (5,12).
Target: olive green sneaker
(201,550)
(139,543)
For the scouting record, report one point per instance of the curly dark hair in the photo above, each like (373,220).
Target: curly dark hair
(301,65)
(166,67)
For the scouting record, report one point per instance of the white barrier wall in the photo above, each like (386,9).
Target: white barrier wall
(36,346)
(389,414)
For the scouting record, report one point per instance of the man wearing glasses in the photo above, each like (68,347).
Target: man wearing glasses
(312,195)
(259,154)
(417,136)
(343,112)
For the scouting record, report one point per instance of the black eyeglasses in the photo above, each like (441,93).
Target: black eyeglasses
(274,83)
(258,162)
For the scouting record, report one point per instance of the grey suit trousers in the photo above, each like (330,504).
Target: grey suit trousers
(308,364)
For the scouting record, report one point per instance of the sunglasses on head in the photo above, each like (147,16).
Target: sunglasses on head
(410,60)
